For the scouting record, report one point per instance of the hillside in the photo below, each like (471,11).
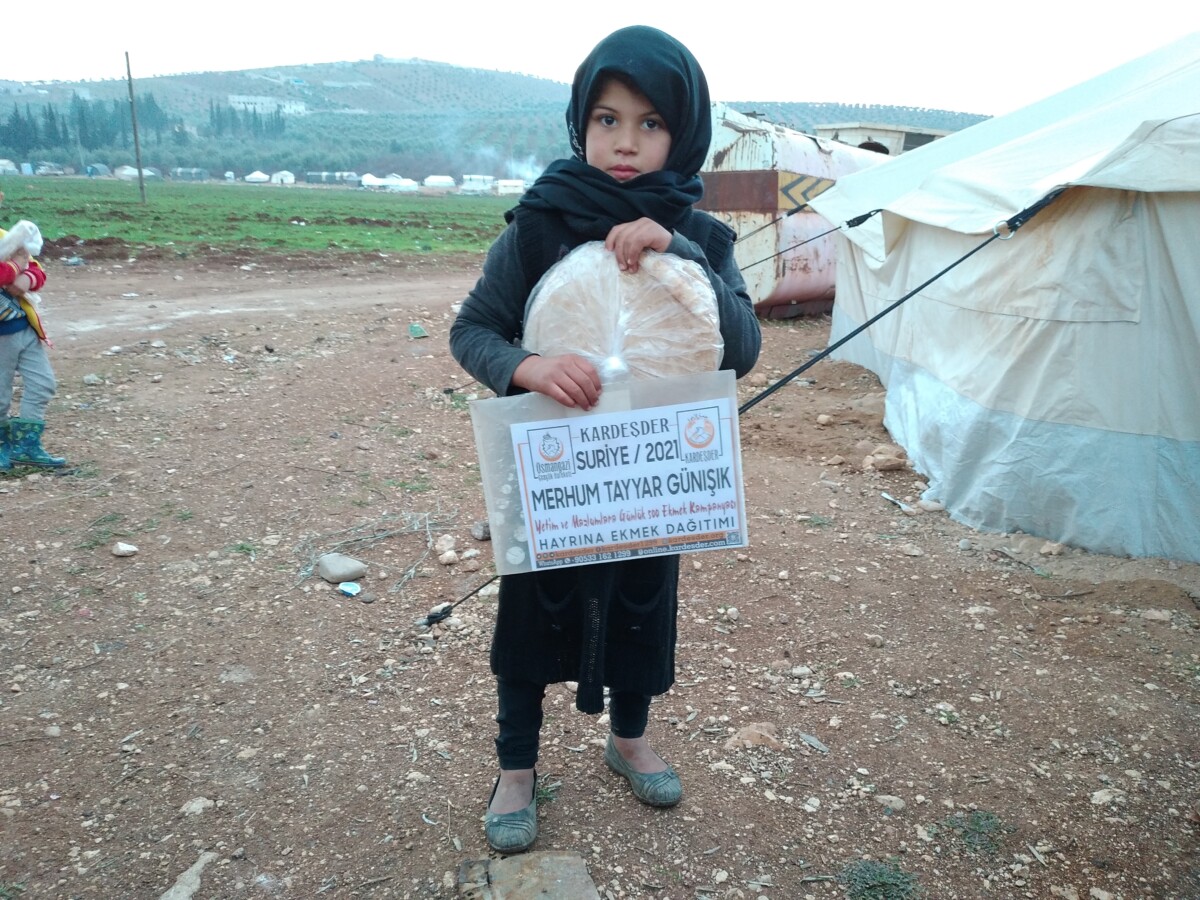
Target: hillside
(409,116)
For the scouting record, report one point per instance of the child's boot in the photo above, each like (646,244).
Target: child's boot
(5,461)
(25,444)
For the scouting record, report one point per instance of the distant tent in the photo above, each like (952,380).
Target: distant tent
(8,167)
(478,184)
(257,177)
(129,173)
(391,182)
(283,177)
(441,182)
(333,177)
(400,185)
(92,169)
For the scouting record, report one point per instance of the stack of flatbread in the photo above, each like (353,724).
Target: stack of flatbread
(660,321)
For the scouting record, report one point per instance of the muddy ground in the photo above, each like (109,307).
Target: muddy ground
(991,720)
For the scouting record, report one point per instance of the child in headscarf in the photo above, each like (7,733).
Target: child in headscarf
(640,126)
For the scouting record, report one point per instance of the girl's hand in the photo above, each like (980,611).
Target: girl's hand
(629,239)
(568,379)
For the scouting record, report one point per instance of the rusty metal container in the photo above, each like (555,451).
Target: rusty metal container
(758,178)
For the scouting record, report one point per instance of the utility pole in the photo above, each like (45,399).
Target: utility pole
(137,146)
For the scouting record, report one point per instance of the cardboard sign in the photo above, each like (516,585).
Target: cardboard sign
(655,468)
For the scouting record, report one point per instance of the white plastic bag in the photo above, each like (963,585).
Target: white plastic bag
(660,321)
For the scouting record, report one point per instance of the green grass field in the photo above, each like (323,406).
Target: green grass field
(275,218)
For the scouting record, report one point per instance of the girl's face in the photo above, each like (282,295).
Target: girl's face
(626,137)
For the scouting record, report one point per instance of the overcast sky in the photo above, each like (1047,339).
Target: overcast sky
(983,58)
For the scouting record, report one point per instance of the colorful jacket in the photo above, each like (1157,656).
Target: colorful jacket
(15,307)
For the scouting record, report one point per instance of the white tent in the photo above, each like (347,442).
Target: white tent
(1051,383)
(391,182)
(257,177)
(283,177)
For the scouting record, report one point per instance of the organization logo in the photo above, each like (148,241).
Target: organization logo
(550,449)
(701,434)
(699,431)
(550,452)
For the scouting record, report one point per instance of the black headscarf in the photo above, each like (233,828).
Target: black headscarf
(591,201)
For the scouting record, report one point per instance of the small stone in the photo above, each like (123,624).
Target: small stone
(824,419)
(874,640)
(52,731)
(732,614)
(1108,796)
(1156,615)
(783,576)
(895,804)
(756,734)
(720,876)
(964,544)
(337,567)
(120,548)
(887,463)
(444,542)
(92,380)
(481,531)
(931,505)
(1051,548)
(196,805)
(448,558)
(1099,894)
(837,461)
(911,550)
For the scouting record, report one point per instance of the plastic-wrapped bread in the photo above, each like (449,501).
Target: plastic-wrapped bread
(660,321)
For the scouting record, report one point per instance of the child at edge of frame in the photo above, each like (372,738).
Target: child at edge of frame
(23,345)
(639,124)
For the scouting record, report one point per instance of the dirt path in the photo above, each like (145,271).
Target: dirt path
(858,685)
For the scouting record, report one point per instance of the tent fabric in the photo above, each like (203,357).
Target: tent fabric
(1051,383)
(974,178)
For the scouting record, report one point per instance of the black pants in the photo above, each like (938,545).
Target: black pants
(520,720)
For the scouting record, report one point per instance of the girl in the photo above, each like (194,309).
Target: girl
(639,125)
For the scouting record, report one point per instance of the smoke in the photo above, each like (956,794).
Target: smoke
(528,168)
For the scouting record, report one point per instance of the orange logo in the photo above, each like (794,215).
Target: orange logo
(699,431)
(550,448)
